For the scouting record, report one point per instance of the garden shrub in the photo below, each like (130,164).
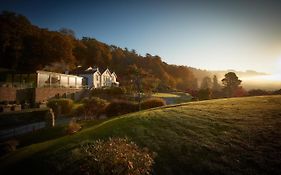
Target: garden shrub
(257,92)
(73,127)
(61,106)
(115,156)
(108,91)
(120,107)
(152,103)
(91,107)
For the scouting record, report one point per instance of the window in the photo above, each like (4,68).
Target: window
(64,81)
(72,82)
(44,80)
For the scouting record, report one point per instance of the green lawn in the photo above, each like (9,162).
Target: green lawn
(174,97)
(224,136)
(48,133)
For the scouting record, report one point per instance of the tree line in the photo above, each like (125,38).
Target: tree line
(26,48)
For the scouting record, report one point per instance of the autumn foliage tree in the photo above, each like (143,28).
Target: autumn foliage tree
(231,84)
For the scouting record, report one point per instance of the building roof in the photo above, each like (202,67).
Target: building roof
(56,73)
(84,70)
(106,70)
(113,73)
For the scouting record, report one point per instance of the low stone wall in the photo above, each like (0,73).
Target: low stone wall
(43,94)
(8,94)
(36,94)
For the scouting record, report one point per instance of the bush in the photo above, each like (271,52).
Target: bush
(61,106)
(91,107)
(73,127)
(120,107)
(152,103)
(277,92)
(240,92)
(108,91)
(257,92)
(204,94)
(115,156)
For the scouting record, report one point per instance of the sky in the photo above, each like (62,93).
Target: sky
(217,35)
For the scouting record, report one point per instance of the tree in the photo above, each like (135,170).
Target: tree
(231,83)
(216,86)
(68,32)
(137,76)
(206,83)
(204,94)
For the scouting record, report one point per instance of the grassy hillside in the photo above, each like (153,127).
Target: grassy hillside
(174,98)
(225,136)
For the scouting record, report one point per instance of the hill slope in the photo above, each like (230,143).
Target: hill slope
(226,136)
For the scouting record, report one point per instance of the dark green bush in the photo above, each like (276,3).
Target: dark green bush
(91,107)
(108,91)
(115,156)
(204,94)
(152,103)
(120,107)
(73,127)
(61,106)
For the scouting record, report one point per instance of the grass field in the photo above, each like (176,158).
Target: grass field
(174,98)
(224,136)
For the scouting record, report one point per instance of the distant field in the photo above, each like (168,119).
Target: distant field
(224,136)
(174,98)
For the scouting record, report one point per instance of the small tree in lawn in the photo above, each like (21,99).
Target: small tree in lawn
(231,83)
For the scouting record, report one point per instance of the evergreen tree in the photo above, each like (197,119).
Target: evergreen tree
(231,83)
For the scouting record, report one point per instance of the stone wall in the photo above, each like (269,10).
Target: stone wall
(8,94)
(43,94)
(37,94)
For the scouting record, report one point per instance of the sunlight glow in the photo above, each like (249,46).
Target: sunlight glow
(262,78)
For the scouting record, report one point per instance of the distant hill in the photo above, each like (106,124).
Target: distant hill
(224,136)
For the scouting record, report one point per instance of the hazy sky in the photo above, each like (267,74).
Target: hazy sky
(220,35)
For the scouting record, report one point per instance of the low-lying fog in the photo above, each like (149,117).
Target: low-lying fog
(265,82)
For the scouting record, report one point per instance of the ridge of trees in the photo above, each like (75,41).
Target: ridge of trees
(25,47)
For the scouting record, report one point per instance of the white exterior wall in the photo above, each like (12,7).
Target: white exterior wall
(113,78)
(96,80)
(106,78)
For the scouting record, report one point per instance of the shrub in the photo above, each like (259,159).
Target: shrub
(204,94)
(257,92)
(120,107)
(152,103)
(61,106)
(73,127)
(115,156)
(277,92)
(240,92)
(91,107)
(108,91)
